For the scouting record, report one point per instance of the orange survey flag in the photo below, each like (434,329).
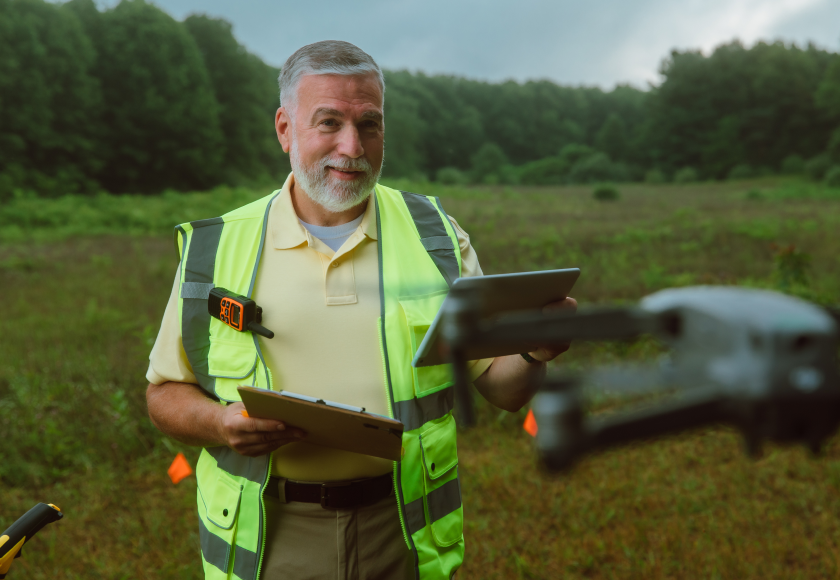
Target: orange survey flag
(530,424)
(179,469)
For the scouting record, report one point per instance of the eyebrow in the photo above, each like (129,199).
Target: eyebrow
(326,111)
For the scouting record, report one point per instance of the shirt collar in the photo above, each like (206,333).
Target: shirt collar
(286,230)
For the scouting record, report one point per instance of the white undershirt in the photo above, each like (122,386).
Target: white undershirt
(333,236)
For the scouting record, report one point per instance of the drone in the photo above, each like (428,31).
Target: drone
(758,360)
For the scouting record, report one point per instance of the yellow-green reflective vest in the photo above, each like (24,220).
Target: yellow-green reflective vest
(418,260)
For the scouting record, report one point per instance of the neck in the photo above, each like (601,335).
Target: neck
(317,215)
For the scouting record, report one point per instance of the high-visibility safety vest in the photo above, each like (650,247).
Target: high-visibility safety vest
(419,259)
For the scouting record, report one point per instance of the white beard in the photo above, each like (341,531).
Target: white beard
(330,193)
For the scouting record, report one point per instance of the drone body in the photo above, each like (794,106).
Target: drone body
(762,361)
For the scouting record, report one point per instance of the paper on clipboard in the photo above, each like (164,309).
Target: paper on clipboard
(327,423)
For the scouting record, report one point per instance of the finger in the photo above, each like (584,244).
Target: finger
(257,448)
(256,425)
(262,437)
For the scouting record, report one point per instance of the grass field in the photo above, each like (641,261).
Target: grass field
(82,304)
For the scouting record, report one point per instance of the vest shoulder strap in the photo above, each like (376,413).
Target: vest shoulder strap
(431,221)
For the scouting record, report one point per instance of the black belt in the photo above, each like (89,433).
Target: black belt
(335,495)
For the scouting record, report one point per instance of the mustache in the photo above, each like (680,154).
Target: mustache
(346,164)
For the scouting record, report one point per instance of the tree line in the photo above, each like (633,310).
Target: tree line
(130,100)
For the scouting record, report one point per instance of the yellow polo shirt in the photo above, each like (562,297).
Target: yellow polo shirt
(323,307)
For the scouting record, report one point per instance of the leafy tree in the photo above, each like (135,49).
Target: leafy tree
(160,110)
(612,137)
(404,129)
(738,106)
(48,98)
(245,89)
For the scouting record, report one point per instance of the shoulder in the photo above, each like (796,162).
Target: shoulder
(254,210)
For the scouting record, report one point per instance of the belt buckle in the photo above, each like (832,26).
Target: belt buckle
(325,494)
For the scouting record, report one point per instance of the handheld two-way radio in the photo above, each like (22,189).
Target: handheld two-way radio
(238,312)
(29,524)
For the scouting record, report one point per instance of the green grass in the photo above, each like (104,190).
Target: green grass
(82,304)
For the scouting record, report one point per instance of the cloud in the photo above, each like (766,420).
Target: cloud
(600,42)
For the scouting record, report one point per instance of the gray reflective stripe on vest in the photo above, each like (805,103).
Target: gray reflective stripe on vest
(416,412)
(442,502)
(251,468)
(244,562)
(196,290)
(199,269)
(217,552)
(214,549)
(432,233)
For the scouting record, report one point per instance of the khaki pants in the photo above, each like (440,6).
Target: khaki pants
(305,541)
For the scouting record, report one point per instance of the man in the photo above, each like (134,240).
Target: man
(350,274)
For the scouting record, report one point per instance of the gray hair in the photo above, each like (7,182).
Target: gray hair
(327,57)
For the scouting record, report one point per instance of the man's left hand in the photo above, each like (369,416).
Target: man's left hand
(548,353)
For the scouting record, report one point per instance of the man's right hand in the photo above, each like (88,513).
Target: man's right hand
(251,436)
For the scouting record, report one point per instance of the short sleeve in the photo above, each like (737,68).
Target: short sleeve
(168,361)
(470,267)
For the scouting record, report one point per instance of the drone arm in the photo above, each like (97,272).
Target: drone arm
(687,413)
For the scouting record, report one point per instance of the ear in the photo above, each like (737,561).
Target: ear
(283,126)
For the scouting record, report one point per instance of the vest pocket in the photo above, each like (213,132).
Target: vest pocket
(442,493)
(419,312)
(234,359)
(223,503)
(217,525)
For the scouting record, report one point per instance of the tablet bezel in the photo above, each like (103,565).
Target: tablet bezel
(503,294)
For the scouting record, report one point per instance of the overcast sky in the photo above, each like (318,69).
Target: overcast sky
(599,42)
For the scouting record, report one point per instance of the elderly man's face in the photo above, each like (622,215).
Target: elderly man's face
(337,138)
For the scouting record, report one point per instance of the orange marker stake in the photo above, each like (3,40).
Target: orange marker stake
(530,424)
(179,469)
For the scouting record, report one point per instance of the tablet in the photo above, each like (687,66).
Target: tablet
(502,294)
(327,423)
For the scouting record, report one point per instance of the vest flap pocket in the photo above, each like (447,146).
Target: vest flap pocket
(442,496)
(440,453)
(419,312)
(222,501)
(232,359)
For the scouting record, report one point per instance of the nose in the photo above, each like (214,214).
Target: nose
(350,142)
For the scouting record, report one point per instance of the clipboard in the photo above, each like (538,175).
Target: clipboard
(327,423)
(503,294)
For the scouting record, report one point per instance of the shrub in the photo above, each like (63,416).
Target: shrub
(654,176)
(597,167)
(606,192)
(742,171)
(508,175)
(818,166)
(487,162)
(793,165)
(832,176)
(686,175)
(548,171)
(450,176)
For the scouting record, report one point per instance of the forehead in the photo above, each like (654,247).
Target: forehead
(357,93)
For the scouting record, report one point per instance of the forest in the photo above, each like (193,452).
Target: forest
(129,100)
